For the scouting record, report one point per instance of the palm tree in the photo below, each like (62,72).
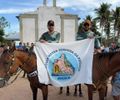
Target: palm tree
(116,18)
(80,28)
(107,28)
(89,17)
(118,27)
(103,14)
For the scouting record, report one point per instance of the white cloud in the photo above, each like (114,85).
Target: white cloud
(77,3)
(86,7)
(14,10)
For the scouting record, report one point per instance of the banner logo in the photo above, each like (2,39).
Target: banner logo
(62,64)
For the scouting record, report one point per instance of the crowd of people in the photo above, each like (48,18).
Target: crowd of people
(25,46)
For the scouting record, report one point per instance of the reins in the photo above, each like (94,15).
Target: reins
(32,73)
(17,74)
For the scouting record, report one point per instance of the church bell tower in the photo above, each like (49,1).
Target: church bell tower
(45,3)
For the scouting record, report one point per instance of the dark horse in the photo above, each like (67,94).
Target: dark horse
(104,66)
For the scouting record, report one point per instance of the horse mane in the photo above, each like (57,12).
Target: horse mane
(27,52)
(107,54)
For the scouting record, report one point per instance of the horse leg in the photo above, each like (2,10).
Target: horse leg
(90,92)
(34,92)
(67,92)
(116,97)
(24,75)
(106,91)
(102,93)
(80,90)
(44,90)
(61,88)
(75,93)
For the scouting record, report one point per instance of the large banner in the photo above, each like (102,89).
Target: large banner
(65,64)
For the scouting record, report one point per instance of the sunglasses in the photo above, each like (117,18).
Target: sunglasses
(51,25)
(86,24)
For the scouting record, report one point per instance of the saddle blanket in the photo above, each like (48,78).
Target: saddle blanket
(65,64)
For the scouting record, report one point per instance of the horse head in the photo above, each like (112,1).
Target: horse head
(25,60)
(5,62)
(6,57)
(15,64)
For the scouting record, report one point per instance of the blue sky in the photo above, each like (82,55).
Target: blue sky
(12,8)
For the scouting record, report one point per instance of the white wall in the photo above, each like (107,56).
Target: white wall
(69,30)
(28,27)
(44,15)
(31,23)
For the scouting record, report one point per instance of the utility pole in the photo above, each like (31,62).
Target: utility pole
(54,3)
(45,2)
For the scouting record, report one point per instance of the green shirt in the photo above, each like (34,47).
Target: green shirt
(87,34)
(51,38)
(84,35)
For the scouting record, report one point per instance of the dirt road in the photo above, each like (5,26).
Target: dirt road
(20,90)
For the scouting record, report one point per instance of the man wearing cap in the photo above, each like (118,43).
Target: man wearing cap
(87,33)
(50,36)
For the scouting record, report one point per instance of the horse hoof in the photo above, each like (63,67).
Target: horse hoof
(67,94)
(80,95)
(75,94)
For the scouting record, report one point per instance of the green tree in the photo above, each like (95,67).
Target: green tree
(94,27)
(80,28)
(103,16)
(3,24)
(89,17)
(118,27)
(116,18)
(1,35)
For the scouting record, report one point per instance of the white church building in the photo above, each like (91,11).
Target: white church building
(34,24)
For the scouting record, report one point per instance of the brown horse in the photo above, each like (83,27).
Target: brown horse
(104,66)
(27,62)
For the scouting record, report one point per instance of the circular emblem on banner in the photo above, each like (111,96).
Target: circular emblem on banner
(62,64)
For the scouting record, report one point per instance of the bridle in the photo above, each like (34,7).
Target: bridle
(6,64)
(29,74)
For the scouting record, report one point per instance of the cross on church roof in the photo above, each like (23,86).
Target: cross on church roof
(45,3)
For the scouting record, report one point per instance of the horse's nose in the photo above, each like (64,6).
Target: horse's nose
(2,82)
